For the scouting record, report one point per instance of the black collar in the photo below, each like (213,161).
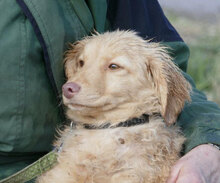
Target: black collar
(131,122)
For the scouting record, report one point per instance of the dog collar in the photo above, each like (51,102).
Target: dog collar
(128,123)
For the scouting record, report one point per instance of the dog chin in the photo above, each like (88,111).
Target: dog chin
(81,108)
(77,107)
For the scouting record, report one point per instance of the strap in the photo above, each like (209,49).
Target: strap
(35,169)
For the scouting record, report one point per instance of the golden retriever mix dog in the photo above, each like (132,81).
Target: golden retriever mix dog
(123,93)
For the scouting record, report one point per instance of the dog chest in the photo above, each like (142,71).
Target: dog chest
(147,149)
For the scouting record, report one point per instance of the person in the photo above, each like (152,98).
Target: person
(34,36)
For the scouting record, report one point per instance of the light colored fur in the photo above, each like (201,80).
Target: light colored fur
(146,82)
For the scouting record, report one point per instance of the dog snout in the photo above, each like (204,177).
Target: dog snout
(70,89)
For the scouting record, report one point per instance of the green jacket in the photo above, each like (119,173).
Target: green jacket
(34,34)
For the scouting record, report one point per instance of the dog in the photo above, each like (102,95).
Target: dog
(124,94)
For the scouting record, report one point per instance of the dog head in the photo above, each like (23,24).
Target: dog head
(119,72)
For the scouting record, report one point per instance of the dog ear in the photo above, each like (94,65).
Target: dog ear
(172,88)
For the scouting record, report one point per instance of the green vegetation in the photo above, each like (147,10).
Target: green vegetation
(203,39)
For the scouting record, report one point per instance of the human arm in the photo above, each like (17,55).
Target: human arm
(201,125)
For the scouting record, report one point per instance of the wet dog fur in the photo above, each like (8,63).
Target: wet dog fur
(120,76)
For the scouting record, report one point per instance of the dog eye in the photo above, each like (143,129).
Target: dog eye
(81,63)
(113,66)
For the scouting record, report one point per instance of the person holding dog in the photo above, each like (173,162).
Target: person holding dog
(34,35)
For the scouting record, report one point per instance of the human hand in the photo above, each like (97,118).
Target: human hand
(200,165)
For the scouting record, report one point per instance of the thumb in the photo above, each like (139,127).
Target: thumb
(184,179)
(174,173)
(189,177)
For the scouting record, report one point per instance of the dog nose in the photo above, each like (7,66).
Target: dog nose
(70,89)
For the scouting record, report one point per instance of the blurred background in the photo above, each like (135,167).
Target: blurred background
(198,22)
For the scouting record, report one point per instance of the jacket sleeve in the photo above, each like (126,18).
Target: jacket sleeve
(200,119)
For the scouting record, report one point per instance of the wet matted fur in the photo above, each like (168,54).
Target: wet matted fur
(121,76)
